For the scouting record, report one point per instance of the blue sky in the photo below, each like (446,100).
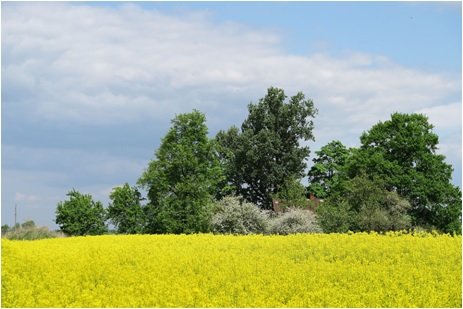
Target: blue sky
(88,89)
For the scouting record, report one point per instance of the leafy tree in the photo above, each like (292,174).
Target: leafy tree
(259,159)
(28,224)
(125,210)
(80,215)
(364,205)
(325,173)
(226,144)
(402,152)
(5,229)
(182,179)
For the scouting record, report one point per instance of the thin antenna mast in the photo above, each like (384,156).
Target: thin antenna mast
(15,213)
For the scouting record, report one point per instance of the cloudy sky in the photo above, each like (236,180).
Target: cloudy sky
(89,89)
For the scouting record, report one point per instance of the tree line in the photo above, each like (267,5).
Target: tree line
(394,180)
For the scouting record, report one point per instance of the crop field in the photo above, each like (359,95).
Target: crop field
(304,270)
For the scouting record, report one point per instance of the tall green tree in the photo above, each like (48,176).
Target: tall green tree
(182,180)
(402,152)
(80,215)
(261,157)
(125,210)
(327,169)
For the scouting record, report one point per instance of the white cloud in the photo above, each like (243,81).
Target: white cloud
(444,116)
(89,64)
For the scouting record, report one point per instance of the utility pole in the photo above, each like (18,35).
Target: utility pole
(15,213)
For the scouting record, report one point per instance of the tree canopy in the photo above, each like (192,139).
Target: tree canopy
(402,152)
(326,171)
(125,210)
(80,215)
(261,157)
(395,179)
(183,178)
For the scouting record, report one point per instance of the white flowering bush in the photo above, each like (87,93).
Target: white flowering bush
(233,216)
(294,220)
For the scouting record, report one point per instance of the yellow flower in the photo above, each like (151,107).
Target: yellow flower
(305,270)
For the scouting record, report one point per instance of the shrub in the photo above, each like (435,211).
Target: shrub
(364,205)
(335,217)
(233,216)
(31,233)
(28,224)
(293,221)
(391,215)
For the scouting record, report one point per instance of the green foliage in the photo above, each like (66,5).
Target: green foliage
(183,178)
(125,210)
(364,205)
(324,175)
(260,158)
(292,194)
(448,212)
(28,224)
(335,216)
(294,220)
(402,152)
(80,215)
(226,144)
(233,216)
(5,229)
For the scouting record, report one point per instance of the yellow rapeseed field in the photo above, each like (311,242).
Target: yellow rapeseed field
(318,270)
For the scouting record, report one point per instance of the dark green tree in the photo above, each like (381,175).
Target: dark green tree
(327,169)
(363,205)
(259,159)
(183,178)
(402,152)
(226,144)
(125,210)
(80,215)
(5,229)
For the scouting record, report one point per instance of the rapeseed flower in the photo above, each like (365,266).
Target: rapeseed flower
(303,270)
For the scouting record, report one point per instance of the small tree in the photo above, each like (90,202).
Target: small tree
(28,224)
(80,215)
(125,210)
